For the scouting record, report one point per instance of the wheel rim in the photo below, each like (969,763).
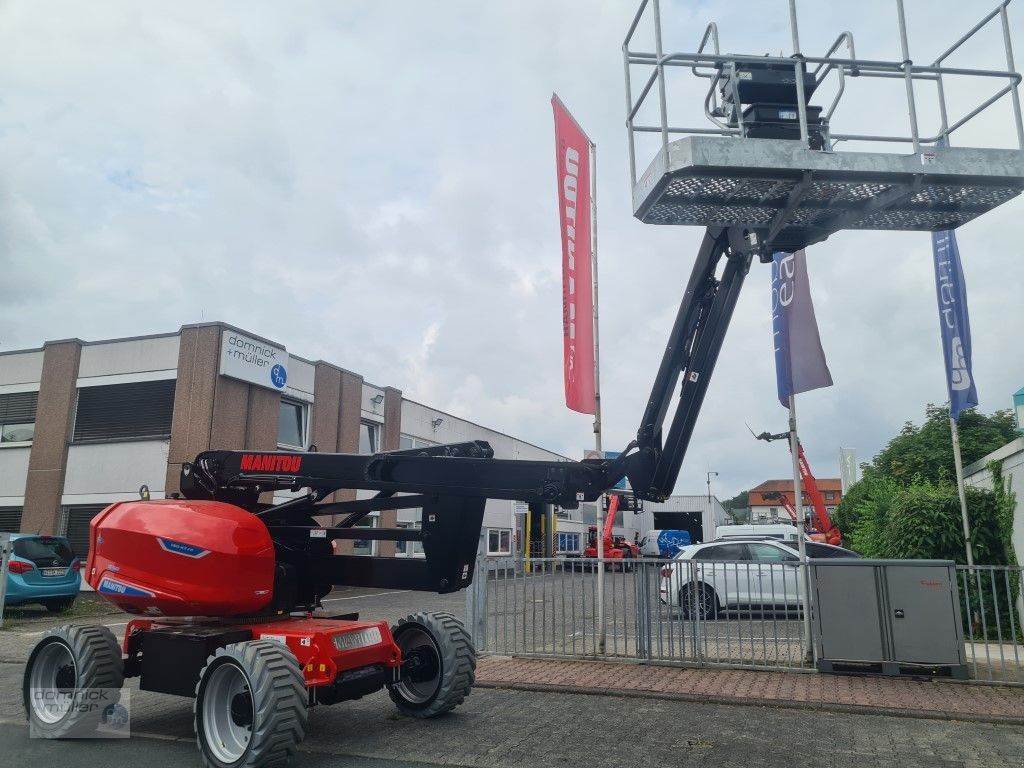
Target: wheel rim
(52,682)
(422,682)
(227,713)
(705,603)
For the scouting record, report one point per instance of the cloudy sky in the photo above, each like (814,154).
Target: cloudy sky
(372,183)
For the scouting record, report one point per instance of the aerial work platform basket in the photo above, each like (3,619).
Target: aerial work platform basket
(771,162)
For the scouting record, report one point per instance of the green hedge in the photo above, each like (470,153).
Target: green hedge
(882,517)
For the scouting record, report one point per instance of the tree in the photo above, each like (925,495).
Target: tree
(906,505)
(927,451)
(739,501)
(737,509)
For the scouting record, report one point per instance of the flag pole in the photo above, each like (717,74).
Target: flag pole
(798,504)
(955,431)
(599,529)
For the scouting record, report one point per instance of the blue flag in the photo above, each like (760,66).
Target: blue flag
(954,324)
(800,364)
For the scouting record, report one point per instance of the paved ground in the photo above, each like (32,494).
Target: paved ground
(545,729)
(648,724)
(808,690)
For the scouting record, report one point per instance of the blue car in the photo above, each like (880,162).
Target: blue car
(44,570)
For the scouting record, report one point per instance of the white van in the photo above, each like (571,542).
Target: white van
(780,531)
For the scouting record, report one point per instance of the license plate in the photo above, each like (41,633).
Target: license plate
(54,571)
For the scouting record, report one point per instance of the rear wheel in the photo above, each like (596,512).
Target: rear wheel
(251,706)
(67,664)
(439,664)
(699,601)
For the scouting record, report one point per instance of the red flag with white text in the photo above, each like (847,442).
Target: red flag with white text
(572,160)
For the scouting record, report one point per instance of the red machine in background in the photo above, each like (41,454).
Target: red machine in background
(615,547)
(823,528)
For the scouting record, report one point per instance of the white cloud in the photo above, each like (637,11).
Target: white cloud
(372,183)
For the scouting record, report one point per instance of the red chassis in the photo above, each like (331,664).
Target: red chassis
(316,643)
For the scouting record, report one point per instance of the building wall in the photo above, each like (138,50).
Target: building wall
(53,474)
(13,476)
(1011,456)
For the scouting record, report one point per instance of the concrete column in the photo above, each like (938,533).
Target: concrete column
(391,435)
(194,396)
(335,424)
(48,458)
(213,411)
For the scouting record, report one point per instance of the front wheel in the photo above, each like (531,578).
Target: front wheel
(68,667)
(438,664)
(699,601)
(251,706)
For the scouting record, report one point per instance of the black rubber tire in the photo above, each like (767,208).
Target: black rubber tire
(59,606)
(279,702)
(457,659)
(708,606)
(98,664)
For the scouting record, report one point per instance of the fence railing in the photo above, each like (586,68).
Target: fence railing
(704,613)
(716,67)
(990,608)
(709,613)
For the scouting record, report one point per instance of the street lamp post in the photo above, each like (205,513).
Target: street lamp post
(709,474)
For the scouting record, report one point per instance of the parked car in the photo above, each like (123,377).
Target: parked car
(780,531)
(719,576)
(817,550)
(44,570)
(663,543)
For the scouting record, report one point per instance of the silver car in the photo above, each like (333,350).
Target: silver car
(719,576)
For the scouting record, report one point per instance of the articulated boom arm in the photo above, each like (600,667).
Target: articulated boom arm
(822,520)
(451,483)
(690,357)
(609,520)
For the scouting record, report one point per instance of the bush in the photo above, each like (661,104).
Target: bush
(884,518)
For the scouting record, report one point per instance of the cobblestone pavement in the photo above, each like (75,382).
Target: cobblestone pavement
(806,690)
(547,729)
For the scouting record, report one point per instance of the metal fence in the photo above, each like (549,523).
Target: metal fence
(709,613)
(990,608)
(741,614)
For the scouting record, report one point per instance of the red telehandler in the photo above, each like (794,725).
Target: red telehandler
(615,547)
(824,529)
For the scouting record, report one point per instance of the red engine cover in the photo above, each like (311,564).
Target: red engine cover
(181,558)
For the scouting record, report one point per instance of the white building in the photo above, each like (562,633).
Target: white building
(84,424)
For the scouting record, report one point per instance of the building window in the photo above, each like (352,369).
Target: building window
(409,548)
(408,443)
(365,547)
(136,411)
(291,424)
(18,417)
(76,526)
(569,542)
(10,519)
(369,438)
(499,541)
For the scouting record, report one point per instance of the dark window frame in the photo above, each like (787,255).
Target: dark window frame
(116,412)
(303,407)
(18,409)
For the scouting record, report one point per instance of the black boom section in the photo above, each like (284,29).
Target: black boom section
(463,469)
(450,532)
(689,360)
(451,483)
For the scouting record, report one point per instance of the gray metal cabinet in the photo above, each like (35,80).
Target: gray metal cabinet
(887,616)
